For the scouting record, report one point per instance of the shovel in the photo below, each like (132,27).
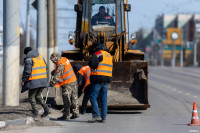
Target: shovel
(47,96)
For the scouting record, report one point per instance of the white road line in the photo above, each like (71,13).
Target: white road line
(174,89)
(179,91)
(168,86)
(162,84)
(187,93)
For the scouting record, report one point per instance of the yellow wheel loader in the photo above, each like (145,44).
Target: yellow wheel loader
(129,86)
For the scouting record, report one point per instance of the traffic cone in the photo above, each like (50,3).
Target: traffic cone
(195,120)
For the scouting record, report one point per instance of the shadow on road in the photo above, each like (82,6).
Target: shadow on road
(123,112)
(75,120)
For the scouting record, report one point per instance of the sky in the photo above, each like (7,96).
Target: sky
(143,15)
(145,12)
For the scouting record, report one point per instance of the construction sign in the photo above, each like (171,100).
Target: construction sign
(173,36)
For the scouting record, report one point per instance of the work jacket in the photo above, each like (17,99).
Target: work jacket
(68,75)
(34,74)
(39,70)
(85,71)
(105,66)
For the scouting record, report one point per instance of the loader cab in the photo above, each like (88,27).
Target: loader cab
(103,16)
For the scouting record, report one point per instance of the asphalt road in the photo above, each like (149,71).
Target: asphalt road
(172,92)
(1,80)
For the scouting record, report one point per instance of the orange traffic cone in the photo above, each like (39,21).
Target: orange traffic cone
(195,120)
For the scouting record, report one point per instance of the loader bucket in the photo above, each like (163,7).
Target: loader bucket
(128,89)
(129,86)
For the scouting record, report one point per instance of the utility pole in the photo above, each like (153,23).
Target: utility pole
(173,61)
(11,46)
(55,27)
(162,52)
(42,28)
(181,52)
(181,55)
(50,24)
(195,53)
(27,25)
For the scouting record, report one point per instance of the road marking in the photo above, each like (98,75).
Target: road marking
(179,91)
(187,93)
(168,86)
(195,96)
(162,84)
(174,89)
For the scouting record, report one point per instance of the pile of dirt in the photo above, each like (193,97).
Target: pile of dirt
(117,97)
(16,112)
(22,111)
(125,97)
(36,123)
(43,122)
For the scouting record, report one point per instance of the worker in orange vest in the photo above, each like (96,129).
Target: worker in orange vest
(83,77)
(65,78)
(34,79)
(101,65)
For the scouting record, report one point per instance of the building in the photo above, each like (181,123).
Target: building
(144,39)
(188,24)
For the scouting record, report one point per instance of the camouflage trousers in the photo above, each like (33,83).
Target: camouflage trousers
(70,99)
(35,94)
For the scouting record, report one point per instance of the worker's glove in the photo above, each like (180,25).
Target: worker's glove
(52,73)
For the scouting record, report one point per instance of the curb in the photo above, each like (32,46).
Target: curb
(22,121)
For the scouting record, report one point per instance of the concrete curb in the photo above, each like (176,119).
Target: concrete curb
(22,121)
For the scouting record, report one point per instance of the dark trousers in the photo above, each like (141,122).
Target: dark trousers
(86,98)
(35,94)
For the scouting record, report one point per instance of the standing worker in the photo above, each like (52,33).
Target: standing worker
(63,76)
(34,79)
(101,73)
(83,77)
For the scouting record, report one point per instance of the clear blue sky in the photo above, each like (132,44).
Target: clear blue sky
(144,12)
(142,15)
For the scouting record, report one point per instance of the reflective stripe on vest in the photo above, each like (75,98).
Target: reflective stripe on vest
(68,75)
(38,69)
(105,67)
(85,71)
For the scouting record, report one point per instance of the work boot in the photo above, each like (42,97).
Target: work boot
(64,117)
(82,111)
(102,121)
(46,112)
(97,119)
(74,116)
(35,113)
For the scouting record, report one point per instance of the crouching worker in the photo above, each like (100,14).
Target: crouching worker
(64,77)
(83,77)
(34,79)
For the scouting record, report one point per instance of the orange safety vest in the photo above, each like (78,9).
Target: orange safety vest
(85,71)
(39,70)
(68,75)
(105,67)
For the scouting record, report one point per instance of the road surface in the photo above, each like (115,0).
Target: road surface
(172,92)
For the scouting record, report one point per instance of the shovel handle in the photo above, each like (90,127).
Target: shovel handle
(46,96)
